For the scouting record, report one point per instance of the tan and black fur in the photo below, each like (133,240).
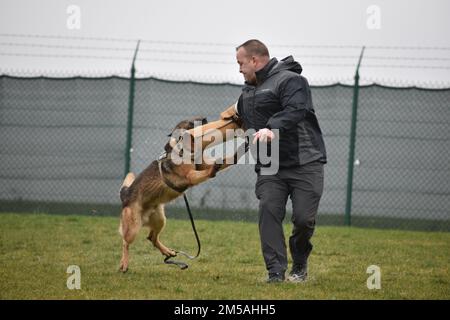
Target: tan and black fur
(143,197)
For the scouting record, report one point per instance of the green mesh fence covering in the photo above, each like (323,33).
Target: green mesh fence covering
(62,149)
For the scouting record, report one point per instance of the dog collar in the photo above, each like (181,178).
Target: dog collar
(168,182)
(162,156)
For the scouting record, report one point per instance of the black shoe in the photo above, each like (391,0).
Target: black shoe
(275,277)
(299,273)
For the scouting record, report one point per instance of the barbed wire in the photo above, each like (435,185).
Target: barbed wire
(71,47)
(184,52)
(40,36)
(193,43)
(141,50)
(394,66)
(408,48)
(191,52)
(43,55)
(407,58)
(217,62)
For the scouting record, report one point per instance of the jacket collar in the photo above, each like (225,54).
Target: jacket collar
(262,75)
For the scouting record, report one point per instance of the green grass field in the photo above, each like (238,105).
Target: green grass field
(36,250)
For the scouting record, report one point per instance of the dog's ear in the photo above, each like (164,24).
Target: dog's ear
(199,121)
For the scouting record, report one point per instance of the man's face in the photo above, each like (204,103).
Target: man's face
(247,65)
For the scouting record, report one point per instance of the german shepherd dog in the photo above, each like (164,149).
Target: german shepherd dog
(143,198)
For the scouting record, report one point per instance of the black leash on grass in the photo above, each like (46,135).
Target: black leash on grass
(183,265)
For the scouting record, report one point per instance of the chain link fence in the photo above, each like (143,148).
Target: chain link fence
(63,147)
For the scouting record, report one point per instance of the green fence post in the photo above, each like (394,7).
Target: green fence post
(351,152)
(128,147)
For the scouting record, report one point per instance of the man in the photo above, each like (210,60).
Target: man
(276,96)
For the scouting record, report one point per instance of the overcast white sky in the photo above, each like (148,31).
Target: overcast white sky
(196,39)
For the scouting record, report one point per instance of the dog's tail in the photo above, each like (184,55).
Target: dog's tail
(125,189)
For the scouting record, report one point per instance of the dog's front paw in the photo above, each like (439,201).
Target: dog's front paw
(123,268)
(168,252)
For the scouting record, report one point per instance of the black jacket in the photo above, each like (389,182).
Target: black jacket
(282,100)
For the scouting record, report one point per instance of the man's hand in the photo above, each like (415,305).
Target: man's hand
(263,135)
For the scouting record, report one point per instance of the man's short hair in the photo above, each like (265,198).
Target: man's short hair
(254,47)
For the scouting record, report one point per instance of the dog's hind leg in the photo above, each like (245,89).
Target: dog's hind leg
(124,192)
(129,228)
(157,222)
(125,257)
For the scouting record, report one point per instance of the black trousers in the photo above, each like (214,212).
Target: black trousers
(304,184)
